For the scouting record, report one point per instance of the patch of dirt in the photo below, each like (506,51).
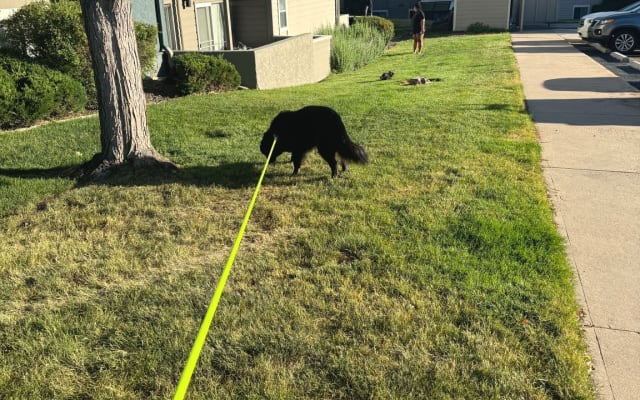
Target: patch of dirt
(156,91)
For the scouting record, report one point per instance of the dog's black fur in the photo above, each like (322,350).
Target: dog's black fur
(386,76)
(300,131)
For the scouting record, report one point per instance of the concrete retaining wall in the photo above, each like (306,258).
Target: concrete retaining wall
(289,61)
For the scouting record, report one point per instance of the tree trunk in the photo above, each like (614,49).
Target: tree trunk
(124,133)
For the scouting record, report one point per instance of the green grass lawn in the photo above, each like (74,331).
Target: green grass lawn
(433,272)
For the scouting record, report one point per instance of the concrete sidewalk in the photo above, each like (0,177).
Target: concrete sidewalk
(588,121)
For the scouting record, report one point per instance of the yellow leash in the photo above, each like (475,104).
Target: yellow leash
(185,378)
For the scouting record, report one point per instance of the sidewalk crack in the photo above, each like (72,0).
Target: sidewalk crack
(608,328)
(595,170)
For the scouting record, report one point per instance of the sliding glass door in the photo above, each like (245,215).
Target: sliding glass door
(211,26)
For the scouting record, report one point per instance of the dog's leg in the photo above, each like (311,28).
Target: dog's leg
(330,157)
(296,159)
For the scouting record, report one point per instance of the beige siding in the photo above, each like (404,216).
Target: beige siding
(188,25)
(187,22)
(187,18)
(305,16)
(177,21)
(8,7)
(249,22)
(273,17)
(14,3)
(255,22)
(494,13)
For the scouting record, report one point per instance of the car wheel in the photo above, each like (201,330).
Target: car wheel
(624,41)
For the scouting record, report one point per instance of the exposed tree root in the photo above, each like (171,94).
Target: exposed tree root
(98,168)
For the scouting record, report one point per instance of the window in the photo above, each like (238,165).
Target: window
(282,16)
(171,31)
(580,11)
(211,27)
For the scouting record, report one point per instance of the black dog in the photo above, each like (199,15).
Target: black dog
(386,76)
(300,131)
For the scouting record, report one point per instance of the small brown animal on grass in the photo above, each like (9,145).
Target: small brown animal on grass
(418,80)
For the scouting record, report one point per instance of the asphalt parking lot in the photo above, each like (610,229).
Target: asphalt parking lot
(621,69)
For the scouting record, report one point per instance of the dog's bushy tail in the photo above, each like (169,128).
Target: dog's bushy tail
(353,151)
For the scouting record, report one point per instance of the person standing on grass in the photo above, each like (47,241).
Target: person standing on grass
(417,24)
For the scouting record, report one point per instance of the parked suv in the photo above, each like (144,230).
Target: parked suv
(619,31)
(587,20)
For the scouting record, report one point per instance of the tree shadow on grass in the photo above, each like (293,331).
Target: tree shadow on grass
(231,175)
(62,171)
(237,175)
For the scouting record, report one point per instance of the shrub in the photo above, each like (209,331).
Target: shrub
(53,35)
(69,95)
(38,92)
(381,24)
(8,96)
(355,46)
(202,73)
(146,40)
(479,27)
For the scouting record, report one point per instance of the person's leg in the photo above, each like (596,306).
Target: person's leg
(420,43)
(415,42)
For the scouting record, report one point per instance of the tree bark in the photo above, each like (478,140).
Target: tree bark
(124,134)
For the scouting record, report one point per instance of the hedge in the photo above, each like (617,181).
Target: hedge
(203,73)
(30,92)
(53,35)
(146,40)
(383,25)
(8,97)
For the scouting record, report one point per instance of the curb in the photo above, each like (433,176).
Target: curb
(619,56)
(599,47)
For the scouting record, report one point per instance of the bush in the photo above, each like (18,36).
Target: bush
(381,24)
(8,96)
(146,40)
(202,73)
(38,92)
(69,94)
(53,35)
(355,46)
(479,27)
